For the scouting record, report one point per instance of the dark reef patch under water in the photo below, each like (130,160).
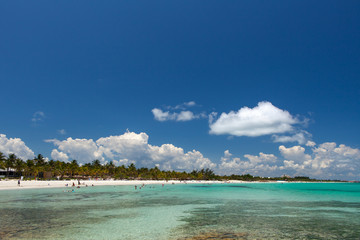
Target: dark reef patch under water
(210,212)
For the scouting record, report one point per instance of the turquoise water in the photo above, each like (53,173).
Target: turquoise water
(191,211)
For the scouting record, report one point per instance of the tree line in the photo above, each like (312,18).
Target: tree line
(40,168)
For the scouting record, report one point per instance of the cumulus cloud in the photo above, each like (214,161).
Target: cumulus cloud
(61,156)
(269,158)
(129,148)
(262,165)
(310,144)
(83,150)
(16,146)
(327,161)
(162,116)
(295,153)
(296,160)
(336,160)
(264,119)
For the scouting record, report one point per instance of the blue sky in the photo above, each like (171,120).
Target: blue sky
(88,70)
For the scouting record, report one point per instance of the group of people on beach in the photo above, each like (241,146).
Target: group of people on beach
(73,186)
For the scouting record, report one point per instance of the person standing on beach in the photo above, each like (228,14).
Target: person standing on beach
(19,182)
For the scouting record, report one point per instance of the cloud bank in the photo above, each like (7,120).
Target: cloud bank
(323,161)
(327,161)
(130,148)
(259,165)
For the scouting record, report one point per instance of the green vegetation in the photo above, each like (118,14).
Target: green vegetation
(41,169)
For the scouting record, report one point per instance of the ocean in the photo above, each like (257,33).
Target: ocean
(184,211)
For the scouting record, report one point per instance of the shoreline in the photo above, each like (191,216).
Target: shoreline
(33,184)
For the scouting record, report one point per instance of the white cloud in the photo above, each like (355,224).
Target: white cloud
(296,160)
(295,153)
(326,161)
(170,157)
(336,160)
(16,146)
(212,117)
(61,156)
(83,150)
(269,158)
(300,137)
(261,120)
(131,148)
(262,165)
(178,113)
(185,116)
(162,116)
(182,116)
(310,144)
(38,117)
(130,145)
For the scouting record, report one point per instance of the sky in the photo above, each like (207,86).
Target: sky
(260,87)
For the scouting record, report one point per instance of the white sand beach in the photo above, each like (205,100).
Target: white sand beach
(13,184)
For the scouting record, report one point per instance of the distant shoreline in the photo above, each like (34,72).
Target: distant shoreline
(33,184)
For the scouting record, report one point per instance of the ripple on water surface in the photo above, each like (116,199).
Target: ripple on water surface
(220,211)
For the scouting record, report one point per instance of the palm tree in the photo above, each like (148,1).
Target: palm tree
(19,166)
(110,168)
(59,168)
(74,167)
(155,173)
(40,164)
(50,167)
(29,167)
(132,171)
(10,163)
(96,168)
(2,160)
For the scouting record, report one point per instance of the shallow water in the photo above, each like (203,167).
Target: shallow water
(191,211)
